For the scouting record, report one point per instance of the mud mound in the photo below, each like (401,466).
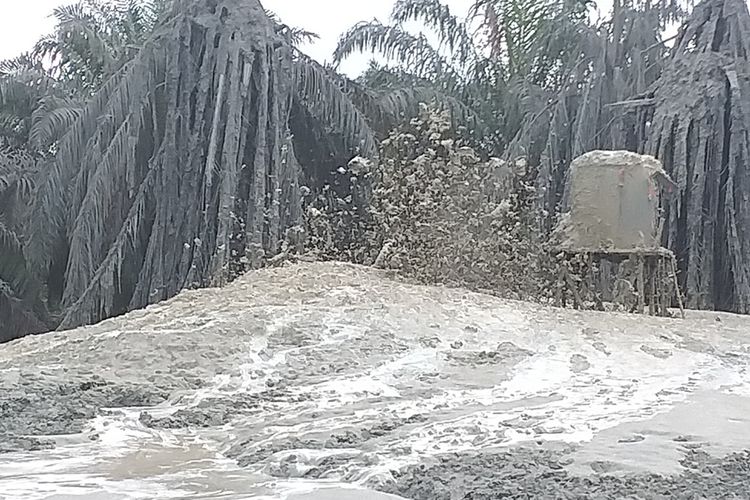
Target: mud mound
(320,378)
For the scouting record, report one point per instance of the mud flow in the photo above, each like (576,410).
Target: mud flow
(330,381)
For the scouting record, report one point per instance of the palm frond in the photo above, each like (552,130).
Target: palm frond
(93,38)
(12,128)
(435,15)
(23,63)
(95,299)
(405,103)
(48,47)
(294,35)
(13,268)
(106,178)
(22,89)
(17,170)
(388,97)
(298,36)
(321,92)
(51,200)
(9,240)
(409,51)
(511,27)
(51,119)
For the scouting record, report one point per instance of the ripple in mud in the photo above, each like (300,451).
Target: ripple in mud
(52,403)
(294,336)
(12,444)
(337,466)
(198,417)
(602,348)
(318,363)
(529,473)
(505,353)
(215,412)
(247,453)
(378,430)
(657,353)
(250,452)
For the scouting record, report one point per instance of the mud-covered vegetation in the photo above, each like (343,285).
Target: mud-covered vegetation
(171,163)
(149,146)
(437,212)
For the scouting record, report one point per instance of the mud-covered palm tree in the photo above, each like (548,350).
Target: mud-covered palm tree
(455,73)
(698,120)
(181,170)
(483,67)
(22,308)
(594,102)
(30,103)
(686,105)
(94,38)
(38,103)
(532,38)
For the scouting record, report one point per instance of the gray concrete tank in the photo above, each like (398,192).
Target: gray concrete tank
(611,202)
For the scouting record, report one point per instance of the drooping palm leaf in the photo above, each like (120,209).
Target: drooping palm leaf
(392,42)
(51,119)
(451,32)
(320,89)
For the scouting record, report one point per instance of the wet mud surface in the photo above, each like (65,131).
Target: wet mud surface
(54,402)
(525,473)
(332,381)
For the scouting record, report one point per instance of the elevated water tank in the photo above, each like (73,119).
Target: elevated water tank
(611,202)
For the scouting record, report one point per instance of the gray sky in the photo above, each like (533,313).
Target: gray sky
(23,21)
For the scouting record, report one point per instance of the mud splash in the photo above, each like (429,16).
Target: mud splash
(328,380)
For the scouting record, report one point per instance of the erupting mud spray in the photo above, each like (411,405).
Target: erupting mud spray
(332,381)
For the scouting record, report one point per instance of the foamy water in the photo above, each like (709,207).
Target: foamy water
(414,358)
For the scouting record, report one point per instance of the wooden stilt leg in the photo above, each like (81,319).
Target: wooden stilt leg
(577,302)
(666,287)
(651,274)
(673,270)
(663,285)
(641,285)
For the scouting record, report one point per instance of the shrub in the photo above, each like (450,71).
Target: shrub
(437,212)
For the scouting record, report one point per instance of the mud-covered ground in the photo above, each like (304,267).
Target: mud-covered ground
(334,381)
(529,473)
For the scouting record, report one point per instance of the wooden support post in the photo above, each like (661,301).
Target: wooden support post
(641,285)
(673,269)
(664,286)
(651,273)
(577,302)
(560,292)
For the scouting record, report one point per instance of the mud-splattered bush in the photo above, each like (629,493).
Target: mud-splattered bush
(436,212)
(447,216)
(339,223)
